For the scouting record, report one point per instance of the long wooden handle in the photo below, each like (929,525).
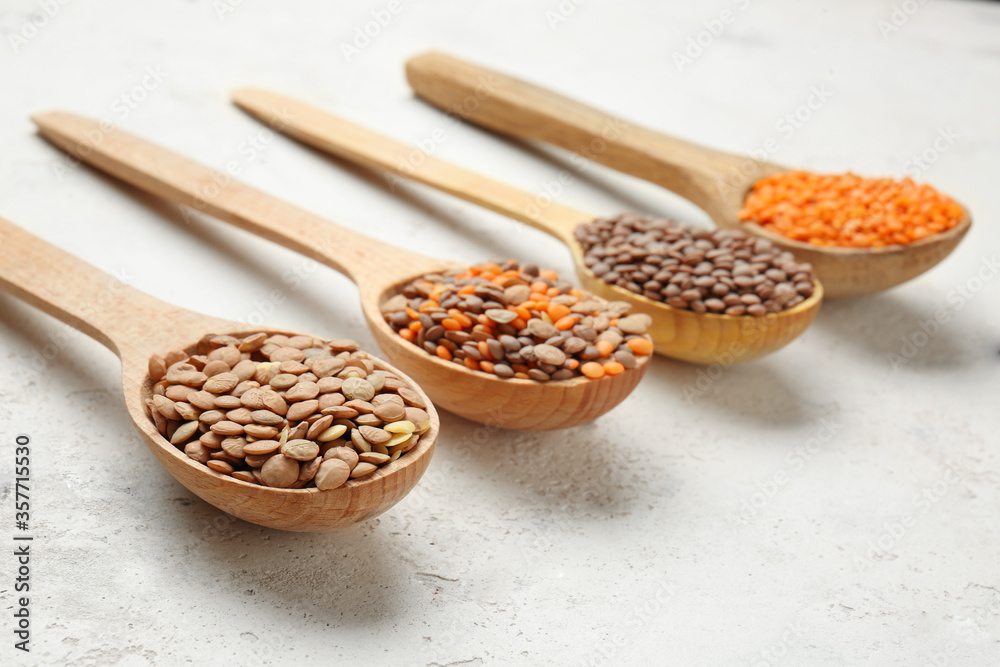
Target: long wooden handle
(517,108)
(369,263)
(84,297)
(360,145)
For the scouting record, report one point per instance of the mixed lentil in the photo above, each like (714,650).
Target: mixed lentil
(518,322)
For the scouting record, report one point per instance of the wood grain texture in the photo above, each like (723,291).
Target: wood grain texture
(715,181)
(680,334)
(135,326)
(380,271)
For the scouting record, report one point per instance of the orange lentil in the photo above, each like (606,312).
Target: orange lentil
(451,324)
(572,364)
(557,311)
(460,317)
(468,289)
(567,322)
(641,346)
(593,370)
(548,274)
(415,326)
(484,350)
(848,210)
(613,368)
(539,287)
(522,376)
(519,323)
(443,352)
(486,366)
(471,364)
(521,312)
(605,347)
(520,368)
(412,313)
(407,334)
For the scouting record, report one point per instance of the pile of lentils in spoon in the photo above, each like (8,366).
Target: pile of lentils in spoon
(520,322)
(284,411)
(706,271)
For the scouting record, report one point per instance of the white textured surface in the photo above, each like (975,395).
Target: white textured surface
(614,543)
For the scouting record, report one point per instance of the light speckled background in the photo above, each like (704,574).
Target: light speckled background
(623,542)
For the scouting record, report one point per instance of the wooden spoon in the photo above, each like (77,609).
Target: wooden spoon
(379,270)
(681,334)
(717,182)
(135,326)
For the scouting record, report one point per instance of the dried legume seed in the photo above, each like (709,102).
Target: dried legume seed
(480,318)
(688,268)
(222,406)
(848,210)
(332,473)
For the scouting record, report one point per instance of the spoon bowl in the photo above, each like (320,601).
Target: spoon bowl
(717,182)
(379,270)
(135,326)
(681,334)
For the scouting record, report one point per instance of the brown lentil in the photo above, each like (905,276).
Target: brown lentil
(719,271)
(252,411)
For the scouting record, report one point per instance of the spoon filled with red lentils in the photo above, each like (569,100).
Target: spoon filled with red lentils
(499,343)
(703,296)
(862,235)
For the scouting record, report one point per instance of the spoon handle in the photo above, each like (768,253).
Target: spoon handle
(713,180)
(80,295)
(369,263)
(370,149)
